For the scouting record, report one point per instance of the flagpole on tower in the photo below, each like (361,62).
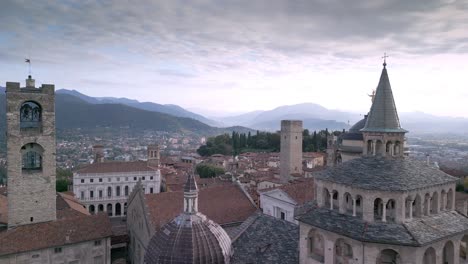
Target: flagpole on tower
(28,61)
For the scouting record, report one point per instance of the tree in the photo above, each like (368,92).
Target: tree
(61,185)
(208,171)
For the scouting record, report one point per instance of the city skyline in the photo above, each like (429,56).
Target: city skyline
(227,57)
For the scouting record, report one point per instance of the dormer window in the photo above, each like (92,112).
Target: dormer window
(32,156)
(30,115)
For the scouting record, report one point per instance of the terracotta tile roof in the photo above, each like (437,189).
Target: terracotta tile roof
(54,233)
(116,166)
(301,191)
(223,204)
(66,202)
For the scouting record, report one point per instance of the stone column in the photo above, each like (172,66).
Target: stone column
(341,203)
(113,209)
(411,209)
(384,210)
(427,202)
(443,197)
(354,206)
(392,153)
(331,201)
(374,146)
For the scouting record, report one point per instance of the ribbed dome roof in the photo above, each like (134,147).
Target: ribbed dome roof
(190,237)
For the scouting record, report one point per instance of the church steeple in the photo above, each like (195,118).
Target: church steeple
(383,135)
(190,195)
(383,115)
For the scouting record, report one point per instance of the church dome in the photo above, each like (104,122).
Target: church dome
(359,125)
(354,132)
(190,237)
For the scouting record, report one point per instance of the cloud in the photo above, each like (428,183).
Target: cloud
(249,44)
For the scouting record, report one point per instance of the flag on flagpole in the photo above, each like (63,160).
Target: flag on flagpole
(27,60)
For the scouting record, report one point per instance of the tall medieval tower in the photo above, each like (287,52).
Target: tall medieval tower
(383,135)
(291,149)
(30,134)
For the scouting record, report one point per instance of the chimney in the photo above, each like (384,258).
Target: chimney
(153,156)
(30,82)
(98,151)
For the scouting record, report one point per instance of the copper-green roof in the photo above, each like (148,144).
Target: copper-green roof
(383,116)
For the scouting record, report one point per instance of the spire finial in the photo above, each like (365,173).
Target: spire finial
(385,56)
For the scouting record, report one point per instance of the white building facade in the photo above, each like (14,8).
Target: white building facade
(105,187)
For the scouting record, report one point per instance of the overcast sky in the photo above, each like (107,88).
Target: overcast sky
(243,55)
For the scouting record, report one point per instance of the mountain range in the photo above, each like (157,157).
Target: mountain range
(76,110)
(170,109)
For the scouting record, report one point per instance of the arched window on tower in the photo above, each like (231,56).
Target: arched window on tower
(31,156)
(30,115)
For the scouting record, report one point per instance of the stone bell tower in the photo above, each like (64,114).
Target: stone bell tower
(30,135)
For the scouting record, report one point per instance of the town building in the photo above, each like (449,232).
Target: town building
(105,186)
(42,226)
(383,207)
(281,202)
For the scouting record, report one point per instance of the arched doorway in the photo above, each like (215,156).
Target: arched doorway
(378,209)
(336,202)
(390,211)
(417,206)
(464,248)
(316,246)
(435,203)
(388,256)
(379,148)
(448,253)
(118,209)
(100,208)
(429,256)
(343,252)
(359,205)
(348,201)
(92,209)
(109,209)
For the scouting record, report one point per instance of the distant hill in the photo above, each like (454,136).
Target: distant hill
(317,117)
(73,112)
(170,109)
(314,117)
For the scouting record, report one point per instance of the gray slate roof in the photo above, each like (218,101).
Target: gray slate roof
(418,232)
(383,116)
(266,240)
(385,174)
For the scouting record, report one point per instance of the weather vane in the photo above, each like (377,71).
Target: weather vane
(28,61)
(385,56)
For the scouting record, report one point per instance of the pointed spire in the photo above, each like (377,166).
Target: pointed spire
(383,116)
(190,195)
